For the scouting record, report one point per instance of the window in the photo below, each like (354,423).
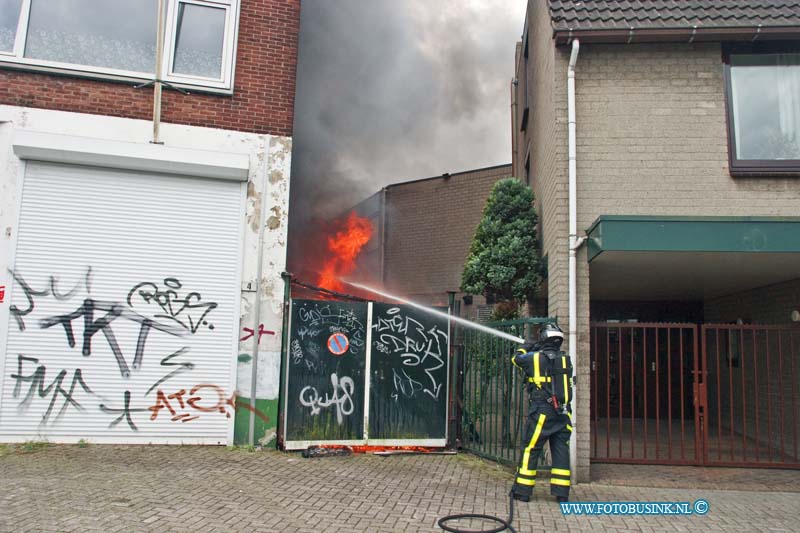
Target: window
(199,38)
(118,39)
(528,170)
(9,17)
(763,93)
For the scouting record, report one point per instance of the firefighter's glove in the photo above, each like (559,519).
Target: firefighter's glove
(530,345)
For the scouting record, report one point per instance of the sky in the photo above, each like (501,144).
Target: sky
(395,90)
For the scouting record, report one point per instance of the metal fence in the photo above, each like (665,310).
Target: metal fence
(492,399)
(750,383)
(644,383)
(714,394)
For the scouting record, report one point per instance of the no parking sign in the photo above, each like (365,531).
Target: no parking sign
(338,343)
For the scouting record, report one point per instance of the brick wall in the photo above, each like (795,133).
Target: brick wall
(652,137)
(264,87)
(766,305)
(546,141)
(429,229)
(651,140)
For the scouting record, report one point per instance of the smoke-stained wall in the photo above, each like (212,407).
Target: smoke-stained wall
(423,232)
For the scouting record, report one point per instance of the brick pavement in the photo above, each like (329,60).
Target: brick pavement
(157,488)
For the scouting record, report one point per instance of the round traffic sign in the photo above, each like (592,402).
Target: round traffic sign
(338,343)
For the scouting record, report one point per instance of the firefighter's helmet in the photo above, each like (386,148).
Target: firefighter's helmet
(551,335)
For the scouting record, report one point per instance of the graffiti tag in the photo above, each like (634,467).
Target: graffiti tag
(188,310)
(341,398)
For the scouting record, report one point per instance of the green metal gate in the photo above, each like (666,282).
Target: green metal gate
(492,397)
(364,373)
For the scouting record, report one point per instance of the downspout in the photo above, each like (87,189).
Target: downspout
(514,155)
(574,242)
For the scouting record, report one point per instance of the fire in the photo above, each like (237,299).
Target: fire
(344,247)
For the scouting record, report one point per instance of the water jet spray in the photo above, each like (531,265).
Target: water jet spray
(462,321)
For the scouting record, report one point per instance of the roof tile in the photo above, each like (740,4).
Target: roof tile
(652,14)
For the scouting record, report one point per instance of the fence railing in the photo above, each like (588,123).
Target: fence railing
(712,394)
(751,378)
(492,399)
(644,386)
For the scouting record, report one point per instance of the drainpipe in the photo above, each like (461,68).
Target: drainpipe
(514,140)
(574,241)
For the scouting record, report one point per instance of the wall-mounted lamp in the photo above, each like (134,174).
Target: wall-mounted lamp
(795,316)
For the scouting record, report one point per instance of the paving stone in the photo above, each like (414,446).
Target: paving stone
(158,488)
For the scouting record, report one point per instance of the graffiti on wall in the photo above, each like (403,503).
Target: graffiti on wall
(331,374)
(341,397)
(414,346)
(316,325)
(89,335)
(172,302)
(249,333)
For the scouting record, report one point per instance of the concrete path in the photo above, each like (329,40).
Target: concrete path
(159,488)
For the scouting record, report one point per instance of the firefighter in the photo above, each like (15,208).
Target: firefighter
(549,379)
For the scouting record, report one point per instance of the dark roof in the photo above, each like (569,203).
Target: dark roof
(583,15)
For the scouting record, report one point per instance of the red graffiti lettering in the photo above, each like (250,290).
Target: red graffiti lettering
(249,333)
(248,407)
(203,398)
(161,403)
(221,400)
(178,396)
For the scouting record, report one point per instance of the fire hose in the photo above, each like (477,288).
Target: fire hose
(503,524)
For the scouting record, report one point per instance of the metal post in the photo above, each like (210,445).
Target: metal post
(452,389)
(287,287)
(159,68)
(257,315)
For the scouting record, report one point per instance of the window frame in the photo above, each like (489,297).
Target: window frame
(753,167)
(224,85)
(171,36)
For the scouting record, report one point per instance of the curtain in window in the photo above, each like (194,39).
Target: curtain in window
(789,103)
(119,34)
(9,16)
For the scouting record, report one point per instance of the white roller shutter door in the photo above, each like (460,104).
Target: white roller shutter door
(125,308)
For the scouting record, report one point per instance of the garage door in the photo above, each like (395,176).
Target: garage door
(124,308)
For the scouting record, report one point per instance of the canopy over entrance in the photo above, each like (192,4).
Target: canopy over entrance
(690,258)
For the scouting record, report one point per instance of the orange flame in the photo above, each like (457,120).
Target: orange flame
(344,246)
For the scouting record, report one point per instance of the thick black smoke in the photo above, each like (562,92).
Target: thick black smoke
(394,90)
